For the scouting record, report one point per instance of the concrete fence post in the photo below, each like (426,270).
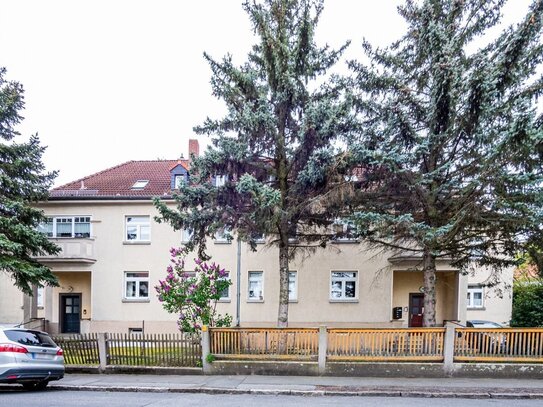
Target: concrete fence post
(323,348)
(102,351)
(206,349)
(448,348)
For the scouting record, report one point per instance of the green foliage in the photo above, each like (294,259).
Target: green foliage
(527,304)
(23,183)
(210,358)
(193,295)
(452,140)
(279,144)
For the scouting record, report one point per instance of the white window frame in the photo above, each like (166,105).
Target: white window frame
(220,236)
(73,220)
(140,184)
(344,225)
(227,298)
(293,294)
(40,296)
(472,289)
(251,276)
(138,280)
(344,280)
(178,179)
(138,226)
(220,180)
(185,235)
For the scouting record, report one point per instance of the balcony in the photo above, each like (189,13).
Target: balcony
(72,250)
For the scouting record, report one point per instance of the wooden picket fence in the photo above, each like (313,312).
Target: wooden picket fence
(167,350)
(265,343)
(172,350)
(415,344)
(80,349)
(499,345)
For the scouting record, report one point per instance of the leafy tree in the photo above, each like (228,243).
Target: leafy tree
(23,183)
(193,296)
(452,140)
(276,149)
(527,303)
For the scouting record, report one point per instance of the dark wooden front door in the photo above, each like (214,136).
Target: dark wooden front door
(70,313)
(416,309)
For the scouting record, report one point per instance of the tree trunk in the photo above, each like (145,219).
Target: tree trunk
(282,317)
(429,261)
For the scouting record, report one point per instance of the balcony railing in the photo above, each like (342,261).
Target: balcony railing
(72,250)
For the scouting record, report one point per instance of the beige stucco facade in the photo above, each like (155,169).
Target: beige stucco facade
(94,270)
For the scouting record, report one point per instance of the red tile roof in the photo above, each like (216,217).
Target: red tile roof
(117,182)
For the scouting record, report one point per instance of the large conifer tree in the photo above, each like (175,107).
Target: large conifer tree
(277,147)
(23,183)
(455,168)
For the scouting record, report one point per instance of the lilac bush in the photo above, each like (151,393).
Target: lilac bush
(193,295)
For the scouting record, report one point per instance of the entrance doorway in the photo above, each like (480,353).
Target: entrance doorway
(416,309)
(70,313)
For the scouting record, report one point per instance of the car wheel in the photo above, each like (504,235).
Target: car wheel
(36,385)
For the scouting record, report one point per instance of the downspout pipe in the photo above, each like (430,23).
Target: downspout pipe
(238,284)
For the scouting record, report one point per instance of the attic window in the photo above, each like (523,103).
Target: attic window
(140,184)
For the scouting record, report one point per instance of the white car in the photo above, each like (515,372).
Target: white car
(29,357)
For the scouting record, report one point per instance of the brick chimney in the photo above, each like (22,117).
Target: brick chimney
(194,147)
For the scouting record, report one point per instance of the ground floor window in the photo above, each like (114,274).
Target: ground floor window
(256,286)
(292,286)
(475,296)
(136,285)
(343,285)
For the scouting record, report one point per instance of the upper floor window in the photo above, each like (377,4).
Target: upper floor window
(186,235)
(223,235)
(345,231)
(138,228)
(220,180)
(66,226)
(475,296)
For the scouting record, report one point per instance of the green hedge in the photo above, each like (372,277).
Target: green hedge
(528,304)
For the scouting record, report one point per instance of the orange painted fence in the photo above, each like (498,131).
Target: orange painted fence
(380,345)
(498,345)
(264,343)
(415,344)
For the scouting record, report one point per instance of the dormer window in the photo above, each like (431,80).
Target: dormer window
(140,184)
(178,180)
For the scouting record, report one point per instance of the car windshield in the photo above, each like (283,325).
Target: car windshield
(30,338)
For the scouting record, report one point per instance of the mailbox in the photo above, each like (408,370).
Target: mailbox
(397,313)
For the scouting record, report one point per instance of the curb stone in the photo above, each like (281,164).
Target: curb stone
(306,393)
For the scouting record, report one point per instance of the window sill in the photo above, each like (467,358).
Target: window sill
(346,241)
(476,308)
(256,301)
(226,300)
(346,300)
(293,301)
(129,300)
(136,242)
(221,242)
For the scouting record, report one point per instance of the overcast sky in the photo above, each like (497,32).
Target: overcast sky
(108,81)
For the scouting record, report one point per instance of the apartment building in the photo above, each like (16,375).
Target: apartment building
(113,253)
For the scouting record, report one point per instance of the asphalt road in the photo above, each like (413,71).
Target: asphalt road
(58,398)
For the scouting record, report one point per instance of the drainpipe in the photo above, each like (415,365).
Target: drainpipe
(238,284)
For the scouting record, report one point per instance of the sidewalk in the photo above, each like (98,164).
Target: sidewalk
(305,385)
